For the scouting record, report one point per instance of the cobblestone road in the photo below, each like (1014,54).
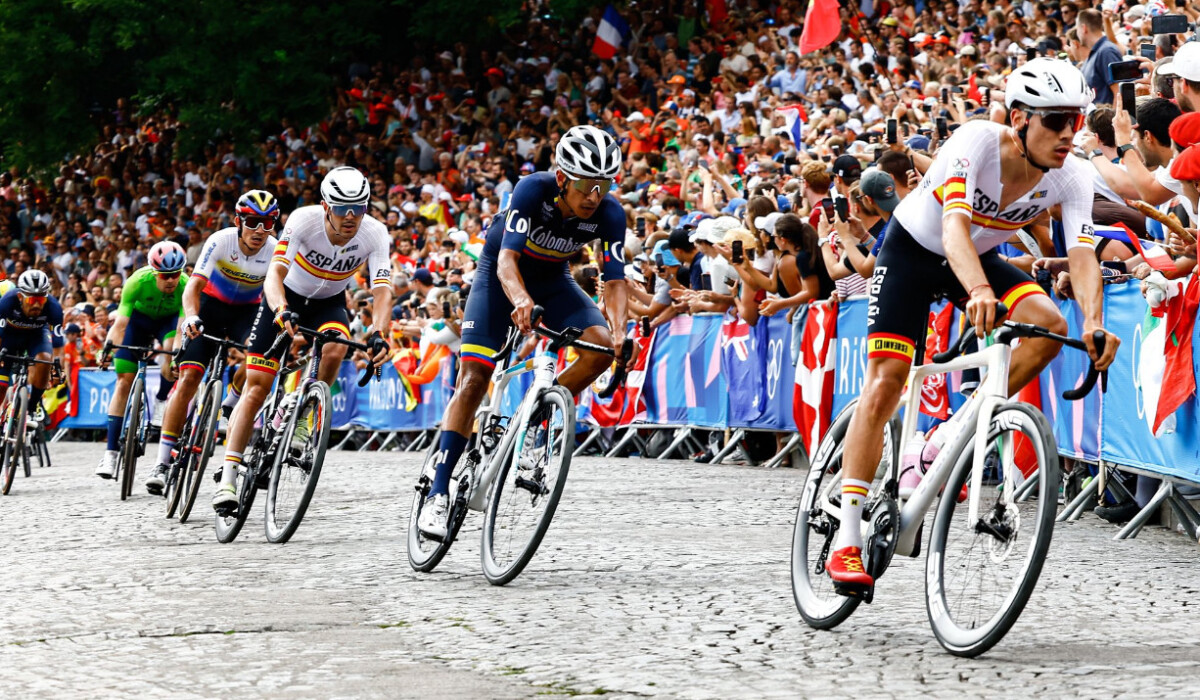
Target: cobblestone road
(659,579)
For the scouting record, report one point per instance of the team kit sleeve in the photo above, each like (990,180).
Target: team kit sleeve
(962,160)
(132,292)
(613,240)
(379,267)
(527,197)
(1078,228)
(208,258)
(285,251)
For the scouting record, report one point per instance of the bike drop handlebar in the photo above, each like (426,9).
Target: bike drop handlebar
(1010,330)
(570,337)
(322,337)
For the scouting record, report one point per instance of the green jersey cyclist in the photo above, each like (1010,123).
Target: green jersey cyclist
(151,305)
(988,181)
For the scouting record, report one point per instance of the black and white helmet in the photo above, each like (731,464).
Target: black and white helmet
(345,185)
(588,153)
(33,282)
(1048,83)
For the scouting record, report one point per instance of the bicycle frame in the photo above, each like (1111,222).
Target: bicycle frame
(542,365)
(976,413)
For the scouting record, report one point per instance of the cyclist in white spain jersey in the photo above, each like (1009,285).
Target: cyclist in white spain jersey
(987,182)
(321,249)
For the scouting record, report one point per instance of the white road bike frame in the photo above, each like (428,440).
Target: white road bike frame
(542,364)
(977,412)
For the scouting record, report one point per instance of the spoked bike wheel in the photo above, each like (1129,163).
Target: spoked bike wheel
(133,429)
(980,574)
(176,480)
(14,437)
(201,444)
(425,553)
(528,486)
(298,463)
(818,521)
(228,526)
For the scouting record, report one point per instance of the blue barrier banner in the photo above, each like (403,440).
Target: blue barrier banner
(684,384)
(771,364)
(1127,438)
(1076,423)
(850,357)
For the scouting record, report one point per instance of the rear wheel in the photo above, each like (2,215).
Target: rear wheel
(979,574)
(818,521)
(134,417)
(298,463)
(14,437)
(527,489)
(201,446)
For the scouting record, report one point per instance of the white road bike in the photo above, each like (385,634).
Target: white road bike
(985,552)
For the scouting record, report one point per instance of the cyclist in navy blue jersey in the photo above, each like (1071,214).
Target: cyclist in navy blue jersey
(524,263)
(29,320)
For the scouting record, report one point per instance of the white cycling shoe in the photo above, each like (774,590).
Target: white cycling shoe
(107,466)
(225,497)
(434,514)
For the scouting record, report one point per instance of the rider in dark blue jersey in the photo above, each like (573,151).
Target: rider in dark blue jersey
(29,320)
(551,217)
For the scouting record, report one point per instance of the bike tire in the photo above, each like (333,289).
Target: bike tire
(228,526)
(996,541)
(812,590)
(176,480)
(425,553)
(129,449)
(506,505)
(205,439)
(14,441)
(294,476)
(23,430)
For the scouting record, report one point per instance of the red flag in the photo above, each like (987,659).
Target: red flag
(813,397)
(1179,379)
(935,395)
(822,25)
(717,13)
(626,402)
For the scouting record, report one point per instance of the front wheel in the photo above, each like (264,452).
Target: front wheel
(298,463)
(200,445)
(228,525)
(133,430)
(979,574)
(14,437)
(528,487)
(425,553)
(818,521)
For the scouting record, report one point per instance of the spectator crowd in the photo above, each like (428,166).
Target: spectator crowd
(757,178)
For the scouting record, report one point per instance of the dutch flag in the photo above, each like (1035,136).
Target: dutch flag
(611,33)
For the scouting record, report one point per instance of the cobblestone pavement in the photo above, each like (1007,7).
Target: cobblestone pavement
(663,579)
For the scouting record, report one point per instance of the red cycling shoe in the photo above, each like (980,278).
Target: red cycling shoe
(845,568)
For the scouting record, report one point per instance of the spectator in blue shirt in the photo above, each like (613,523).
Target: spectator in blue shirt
(1090,28)
(792,78)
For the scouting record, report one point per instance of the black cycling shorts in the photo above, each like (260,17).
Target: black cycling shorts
(318,314)
(488,315)
(221,320)
(908,279)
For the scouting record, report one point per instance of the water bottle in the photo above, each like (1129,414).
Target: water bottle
(913,451)
(942,435)
(281,411)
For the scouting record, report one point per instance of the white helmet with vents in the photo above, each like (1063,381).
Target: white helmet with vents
(1047,83)
(588,153)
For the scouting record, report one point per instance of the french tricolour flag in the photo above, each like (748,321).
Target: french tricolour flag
(793,120)
(611,33)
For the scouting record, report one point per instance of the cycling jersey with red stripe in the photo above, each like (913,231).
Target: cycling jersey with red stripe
(316,268)
(229,274)
(964,180)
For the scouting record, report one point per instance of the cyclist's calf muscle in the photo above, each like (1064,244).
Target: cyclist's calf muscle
(881,392)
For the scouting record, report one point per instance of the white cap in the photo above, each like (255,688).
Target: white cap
(445,196)
(634,273)
(144,200)
(636,117)
(96,222)
(428,189)
(458,236)
(1186,64)
(767,223)
(409,208)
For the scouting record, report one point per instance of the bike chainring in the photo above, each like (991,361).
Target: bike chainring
(883,531)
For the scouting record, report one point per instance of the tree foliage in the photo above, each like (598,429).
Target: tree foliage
(225,67)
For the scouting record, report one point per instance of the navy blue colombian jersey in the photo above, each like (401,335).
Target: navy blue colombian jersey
(13,317)
(534,226)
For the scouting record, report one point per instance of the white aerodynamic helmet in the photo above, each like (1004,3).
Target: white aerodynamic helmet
(588,153)
(1048,83)
(345,185)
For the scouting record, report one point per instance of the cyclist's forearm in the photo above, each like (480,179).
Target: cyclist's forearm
(191,296)
(510,277)
(616,304)
(273,287)
(382,310)
(1087,285)
(117,332)
(961,253)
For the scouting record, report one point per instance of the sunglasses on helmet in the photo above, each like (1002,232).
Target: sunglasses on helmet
(1057,120)
(267,223)
(341,210)
(589,186)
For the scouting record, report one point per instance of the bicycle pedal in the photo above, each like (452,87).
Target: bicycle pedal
(858,592)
